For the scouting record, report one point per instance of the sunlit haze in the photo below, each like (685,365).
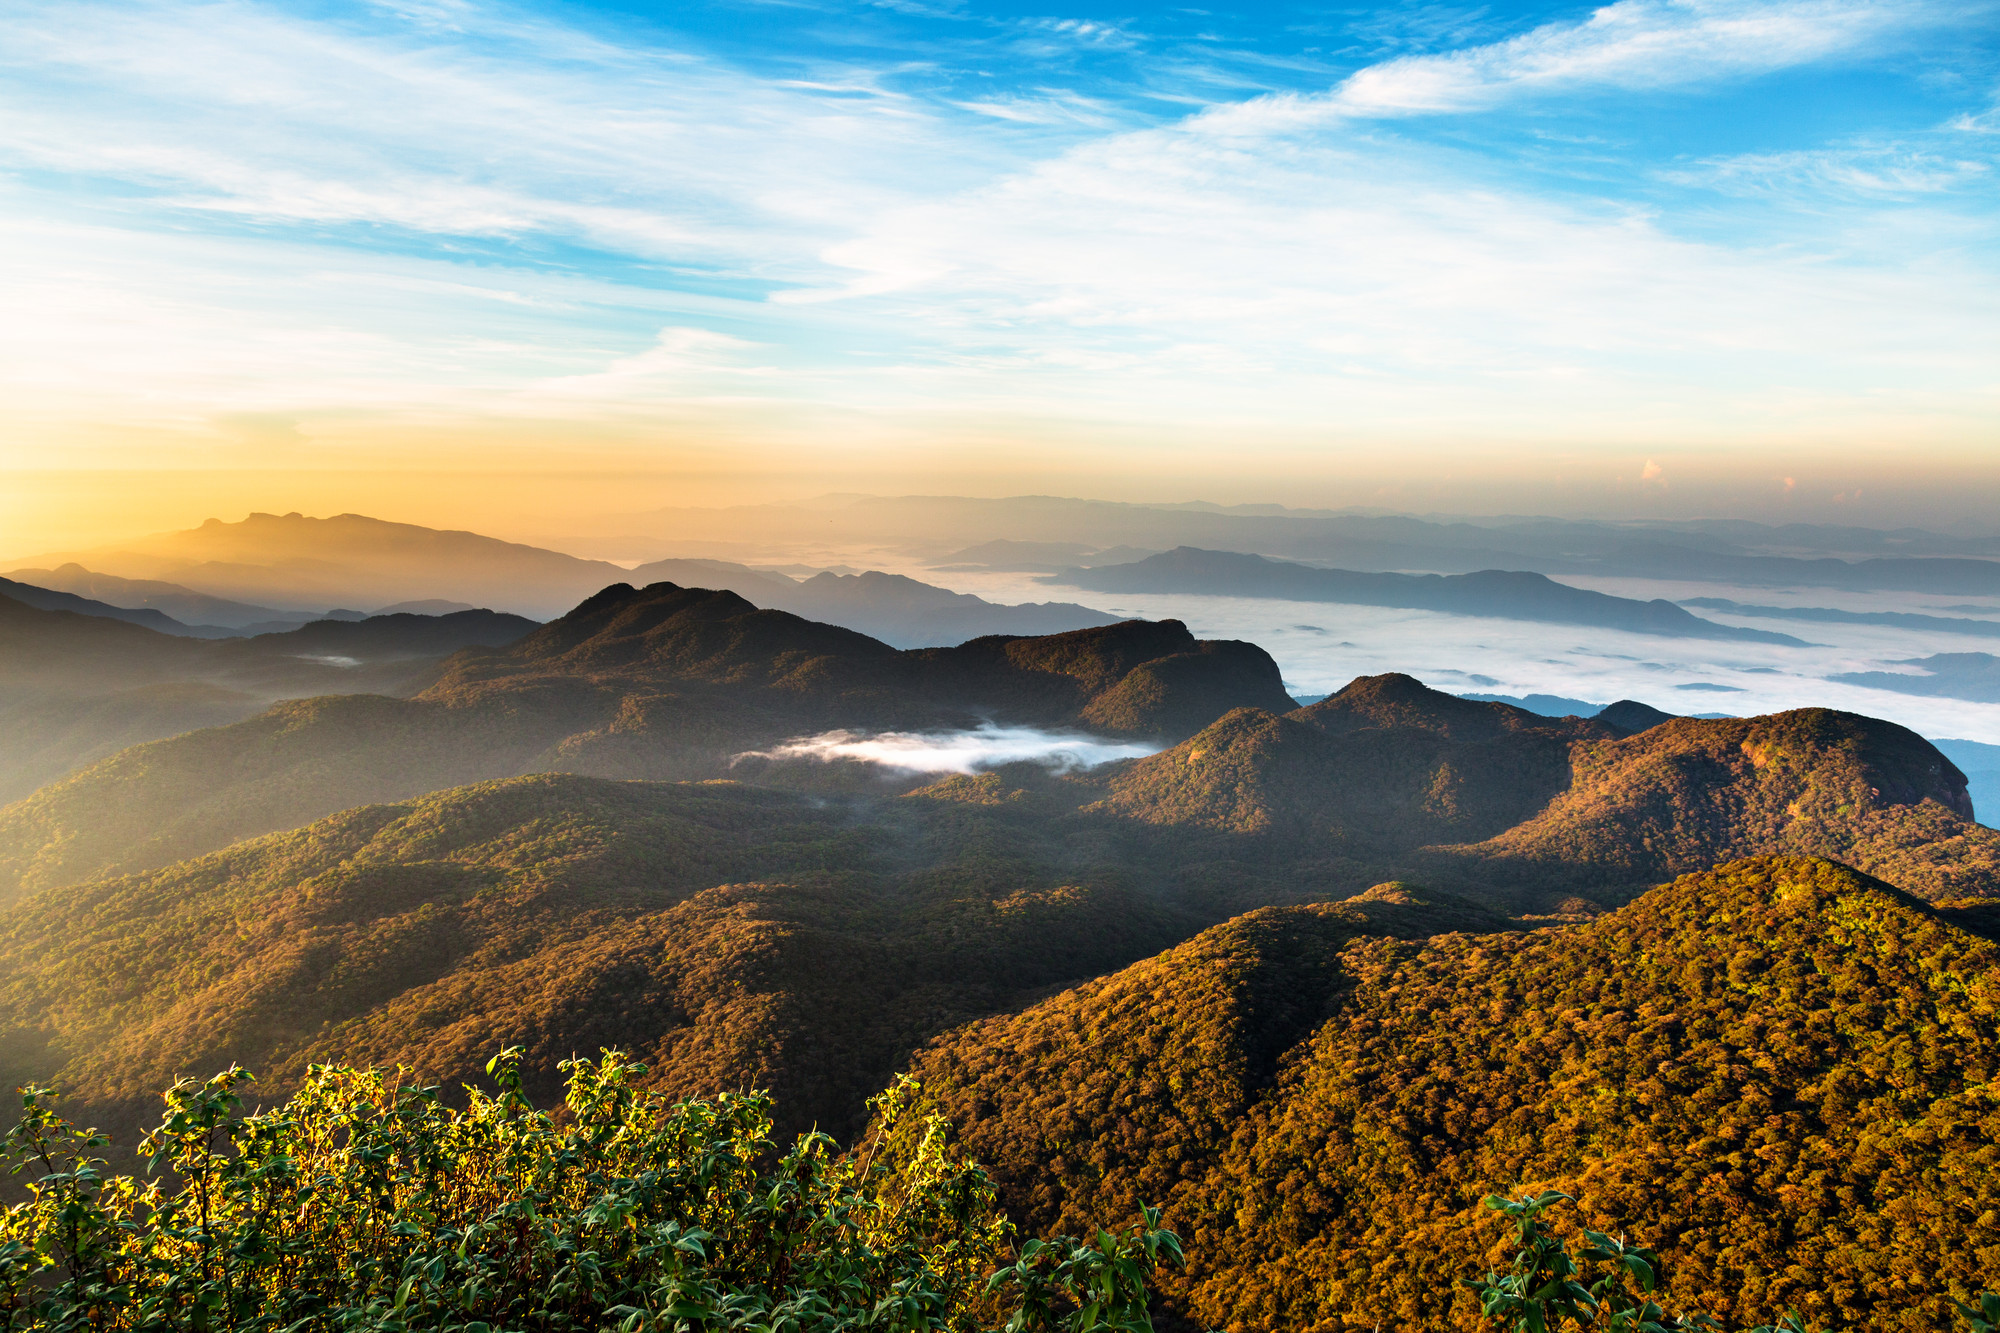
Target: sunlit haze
(499,266)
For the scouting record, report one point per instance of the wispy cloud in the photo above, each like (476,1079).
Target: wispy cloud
(1632,44)
(457,208)
(1868,171)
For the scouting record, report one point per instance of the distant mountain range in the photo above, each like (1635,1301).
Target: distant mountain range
(47,599)
(1718,551)
(898,610)
(292,561)
(1973,676)
(176,610)
(1828,615)
(1492,592)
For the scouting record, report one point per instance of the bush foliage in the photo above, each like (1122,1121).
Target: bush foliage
(367,1203)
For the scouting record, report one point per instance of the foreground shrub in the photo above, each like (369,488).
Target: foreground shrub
(366,1204)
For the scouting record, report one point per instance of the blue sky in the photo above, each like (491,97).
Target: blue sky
(1747,247)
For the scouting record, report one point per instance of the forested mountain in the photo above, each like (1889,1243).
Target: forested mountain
(1385,780)
(663,682)
(76,686)
(841,926)
(733,936)
(1779,1069)
(1393,780)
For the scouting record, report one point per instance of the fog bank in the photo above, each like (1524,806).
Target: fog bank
(985,746)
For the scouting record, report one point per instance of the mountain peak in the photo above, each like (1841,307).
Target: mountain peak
(1631,716)
(1397,700)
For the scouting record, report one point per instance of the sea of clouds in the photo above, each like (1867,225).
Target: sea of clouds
(1321,646)
(966,751)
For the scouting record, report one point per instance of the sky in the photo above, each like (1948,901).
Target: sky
(450,261)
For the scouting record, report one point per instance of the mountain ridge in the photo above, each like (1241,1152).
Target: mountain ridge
(295,562)
(1508,594)
(662,682)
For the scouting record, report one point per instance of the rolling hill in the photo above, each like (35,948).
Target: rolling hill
(1399,781)
(735,937)
(1777,1071)
(663,682)
(1385,780)
(76,687)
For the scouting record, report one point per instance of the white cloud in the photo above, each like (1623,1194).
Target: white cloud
(987,746)
(294,216)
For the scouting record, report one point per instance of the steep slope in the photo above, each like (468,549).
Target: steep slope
(734,937)
(663,682)
(1778,1070)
